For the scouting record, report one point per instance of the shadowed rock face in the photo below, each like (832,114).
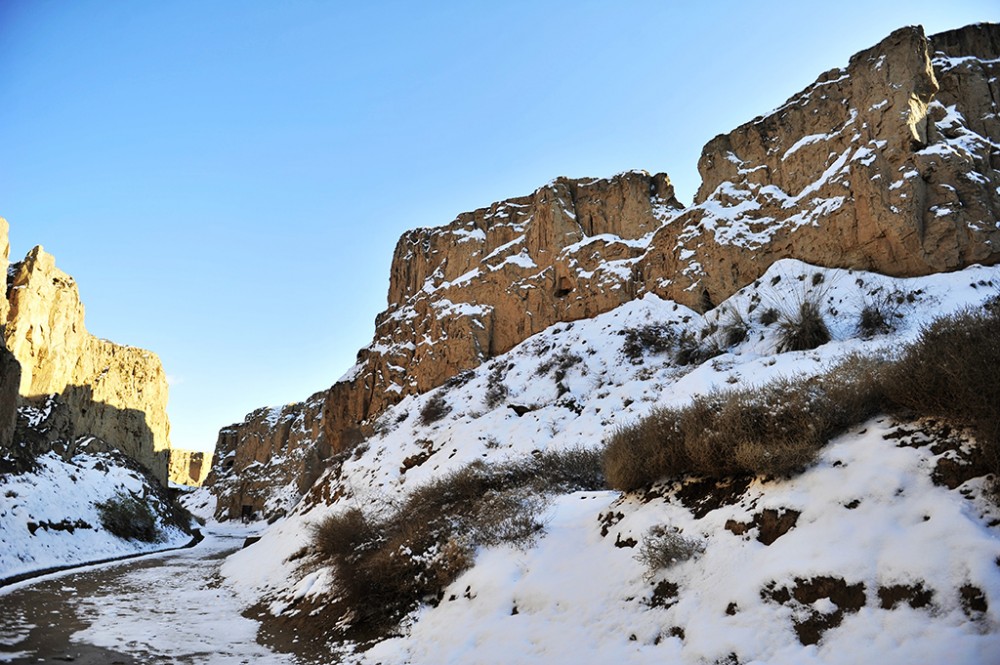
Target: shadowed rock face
(104,392)
(887,164)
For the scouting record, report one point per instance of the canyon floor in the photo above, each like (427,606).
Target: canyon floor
(162,608)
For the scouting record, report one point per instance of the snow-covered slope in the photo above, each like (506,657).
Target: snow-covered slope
(49,517)
(878,563)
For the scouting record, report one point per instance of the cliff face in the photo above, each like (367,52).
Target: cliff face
(889,164)
(77,390)
(264,464)
(189,467)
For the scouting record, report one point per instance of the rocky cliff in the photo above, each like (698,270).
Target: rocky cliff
(889,164)
(77,390)
(189,467)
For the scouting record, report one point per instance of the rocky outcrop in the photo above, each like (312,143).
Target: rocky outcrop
(189,467)
(264,465)
(889,164)
(75,389)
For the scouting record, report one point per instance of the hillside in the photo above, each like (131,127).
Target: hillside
(887,164)
(532,462)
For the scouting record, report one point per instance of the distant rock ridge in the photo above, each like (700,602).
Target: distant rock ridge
(189,467)
(889,164)
(75,391)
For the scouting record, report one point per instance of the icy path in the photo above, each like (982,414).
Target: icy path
(166,608)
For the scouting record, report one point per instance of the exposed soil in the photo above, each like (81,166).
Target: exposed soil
(810,624)
(770,523)
(914,595)
(702,496)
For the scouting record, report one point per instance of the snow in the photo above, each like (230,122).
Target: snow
(40,498)
(580,599)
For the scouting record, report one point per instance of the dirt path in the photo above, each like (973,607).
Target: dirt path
(168,608)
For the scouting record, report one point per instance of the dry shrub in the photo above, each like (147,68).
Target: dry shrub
(952,372)
(386,565)
(638,454)
(651,338)
(663,547)
(129,517)
(773,430)
(803,329)
(434,409)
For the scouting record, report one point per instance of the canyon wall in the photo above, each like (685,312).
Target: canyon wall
(189,467)
(889,164)
(76,391)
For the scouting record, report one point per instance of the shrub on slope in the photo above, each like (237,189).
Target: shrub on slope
(950,372)
(772,430)
(386,565)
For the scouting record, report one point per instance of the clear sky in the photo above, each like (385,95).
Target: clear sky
(226,180)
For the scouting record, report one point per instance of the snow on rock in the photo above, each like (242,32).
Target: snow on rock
(49,517)
(868,512)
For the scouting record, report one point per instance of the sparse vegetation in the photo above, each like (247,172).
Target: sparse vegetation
(949,373)
(129,517)
(803,329)
(952,372)
(434,409)
(496,389)
(387,564)
(768,431)
(652,338)
(663,547)
(769,316)
(880,313)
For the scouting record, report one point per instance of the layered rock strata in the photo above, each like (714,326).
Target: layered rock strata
(889,164)
(77,390)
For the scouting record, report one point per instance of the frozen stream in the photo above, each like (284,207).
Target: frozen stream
(168,608)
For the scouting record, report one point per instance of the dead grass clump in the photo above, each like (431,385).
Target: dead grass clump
(803,329)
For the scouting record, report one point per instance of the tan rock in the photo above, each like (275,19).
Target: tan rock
(888,164)
(108,396)
(189,467)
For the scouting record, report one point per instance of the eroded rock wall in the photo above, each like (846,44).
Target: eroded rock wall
(888,164)
(189,467)
(264,465)
(77,390)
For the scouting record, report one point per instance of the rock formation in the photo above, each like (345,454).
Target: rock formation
(889,164)
(77,390)
(264,464)
(189,467)
(10,369)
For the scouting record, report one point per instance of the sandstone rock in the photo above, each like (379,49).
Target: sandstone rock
(888,164)
(189,467)
(107,396)
(263,465)
(10,380)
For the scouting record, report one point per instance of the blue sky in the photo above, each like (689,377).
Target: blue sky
(227,180)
